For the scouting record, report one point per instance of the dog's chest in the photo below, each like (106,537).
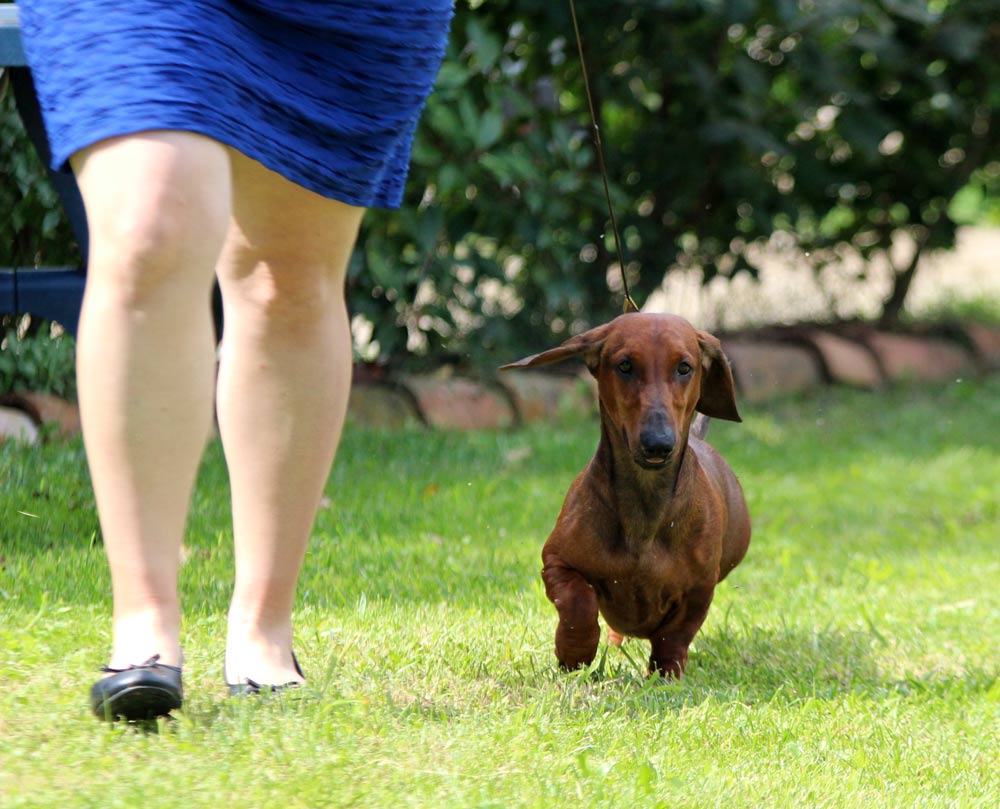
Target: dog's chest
(637,596)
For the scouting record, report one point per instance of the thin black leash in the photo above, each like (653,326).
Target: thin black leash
(629,304)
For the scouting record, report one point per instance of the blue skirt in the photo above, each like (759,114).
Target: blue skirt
(325,92)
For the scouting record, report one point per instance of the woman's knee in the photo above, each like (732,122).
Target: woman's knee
(289,294)
(158,208)
(153,243)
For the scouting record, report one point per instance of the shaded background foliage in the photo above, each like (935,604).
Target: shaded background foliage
(849,124)
(846,123)
(33,229)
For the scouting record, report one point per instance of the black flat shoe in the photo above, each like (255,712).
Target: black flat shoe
(138,693)
(247,686)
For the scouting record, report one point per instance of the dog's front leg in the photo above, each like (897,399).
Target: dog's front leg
(578,633)
(670,644)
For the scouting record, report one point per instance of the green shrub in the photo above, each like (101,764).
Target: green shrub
(847,123)
(41,359)
(34,230)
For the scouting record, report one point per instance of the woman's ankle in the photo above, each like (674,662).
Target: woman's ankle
(140,636)
(261,654)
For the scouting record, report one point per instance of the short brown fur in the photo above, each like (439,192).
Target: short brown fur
(657,518)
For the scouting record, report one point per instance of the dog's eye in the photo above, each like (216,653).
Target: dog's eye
(684,369)
(625,367)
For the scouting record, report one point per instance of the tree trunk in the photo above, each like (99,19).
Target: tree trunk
(893,307)
(903,280)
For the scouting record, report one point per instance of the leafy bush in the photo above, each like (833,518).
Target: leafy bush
(42,360)
(500,244)
(33,227)
(848,123)
(34,355)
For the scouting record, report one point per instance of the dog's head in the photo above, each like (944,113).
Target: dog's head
(653,373)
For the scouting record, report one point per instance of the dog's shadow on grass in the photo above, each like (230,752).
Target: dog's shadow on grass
(756,666)
(759,664)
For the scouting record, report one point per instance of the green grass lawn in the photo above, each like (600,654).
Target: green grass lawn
(852,660)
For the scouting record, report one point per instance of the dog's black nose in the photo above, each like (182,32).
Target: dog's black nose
(657,443)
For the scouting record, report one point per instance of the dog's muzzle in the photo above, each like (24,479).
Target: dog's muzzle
(656,445)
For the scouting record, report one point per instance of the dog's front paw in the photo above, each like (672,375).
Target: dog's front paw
(670,666)
(576,646)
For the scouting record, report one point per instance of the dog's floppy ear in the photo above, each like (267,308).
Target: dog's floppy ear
(718,392)
(588,344)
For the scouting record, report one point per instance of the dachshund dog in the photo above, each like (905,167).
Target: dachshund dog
(657,518)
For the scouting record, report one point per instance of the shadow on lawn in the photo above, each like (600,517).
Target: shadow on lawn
(760,664)
(763,666)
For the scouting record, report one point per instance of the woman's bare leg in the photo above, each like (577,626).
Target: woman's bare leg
(157,207)
(283,386)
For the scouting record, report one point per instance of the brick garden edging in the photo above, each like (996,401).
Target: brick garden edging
(781,361)
(767,363)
